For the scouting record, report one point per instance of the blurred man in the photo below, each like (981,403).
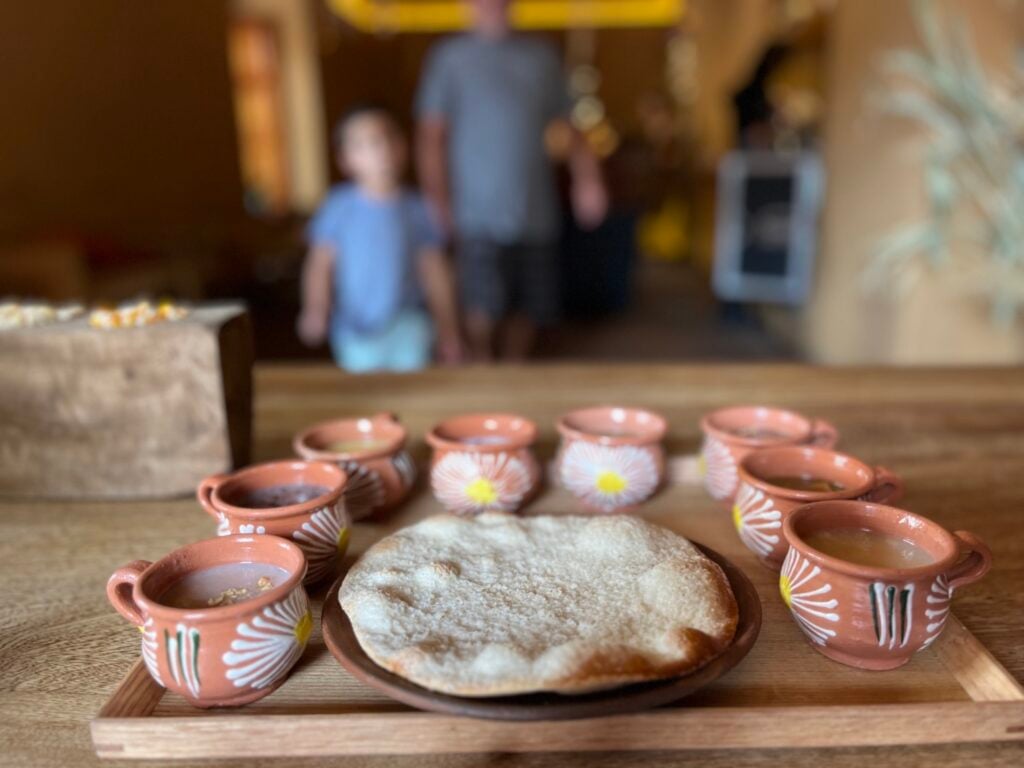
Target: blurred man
(484,103)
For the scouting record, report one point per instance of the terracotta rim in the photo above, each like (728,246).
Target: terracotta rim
(657,425)
(751,478)
(304,447)
(332,471)
(708,425)
(525,433)
(867,511)
(151,607)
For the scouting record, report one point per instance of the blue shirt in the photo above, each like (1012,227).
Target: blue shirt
(375,244)
(497,98)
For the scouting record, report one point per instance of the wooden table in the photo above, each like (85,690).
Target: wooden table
(957,436)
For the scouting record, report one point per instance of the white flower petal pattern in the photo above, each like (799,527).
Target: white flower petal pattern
(805,595)
(720,476)
(322,538)
(607,477)
(364,491)
(223,525)
(150,646)
(267,647)
(251,528)
(469,483)
(756,519)
(937,608)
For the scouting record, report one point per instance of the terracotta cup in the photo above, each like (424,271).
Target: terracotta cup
(372,452)
(732,433)
(869,617)
(760,507)
(222,656)
(611,458)
(484,462)
(320,526)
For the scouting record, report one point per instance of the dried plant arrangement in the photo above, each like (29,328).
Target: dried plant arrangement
(973,231)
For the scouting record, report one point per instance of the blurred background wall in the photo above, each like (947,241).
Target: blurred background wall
(176,148)
(875,164)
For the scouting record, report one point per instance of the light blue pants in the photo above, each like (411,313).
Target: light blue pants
(402,346)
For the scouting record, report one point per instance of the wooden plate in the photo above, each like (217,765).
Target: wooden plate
(341,641)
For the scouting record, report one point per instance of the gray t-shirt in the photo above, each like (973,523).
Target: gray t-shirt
(497,97)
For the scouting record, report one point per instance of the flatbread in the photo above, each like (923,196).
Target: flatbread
(499,604)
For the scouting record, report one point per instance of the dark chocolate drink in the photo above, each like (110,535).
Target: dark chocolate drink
(282,495)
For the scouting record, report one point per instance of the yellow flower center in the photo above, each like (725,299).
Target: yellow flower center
(303,628)
(482,491)
(342,540)
(609,482)
(737,517)
(702,465)
(786,589)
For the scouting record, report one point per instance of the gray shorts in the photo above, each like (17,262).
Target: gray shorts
(501,280)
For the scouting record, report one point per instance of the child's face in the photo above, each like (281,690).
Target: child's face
(372,151)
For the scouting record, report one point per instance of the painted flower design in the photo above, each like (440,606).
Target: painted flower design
(807,598)
(265,648)
(250,528)
(719,468)
(223,525)
(182,651)
(364,491)
(892,612)
(756,519)
(323,538)
(405,467)
(937,608)
(150,646)
(607,477)
(468,483)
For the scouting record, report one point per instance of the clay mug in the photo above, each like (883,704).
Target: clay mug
(483,462)
(611,458)
(226,655)
(731,433)
(372,452)
(320,525)
(761,507)
(866,616)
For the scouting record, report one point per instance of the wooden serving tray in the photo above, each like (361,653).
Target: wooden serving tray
(784,694)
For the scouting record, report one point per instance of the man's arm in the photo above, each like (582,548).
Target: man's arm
(439,287)
(316,295)
(589,194)
(432,164)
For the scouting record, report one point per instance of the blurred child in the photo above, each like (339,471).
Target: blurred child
(375,281)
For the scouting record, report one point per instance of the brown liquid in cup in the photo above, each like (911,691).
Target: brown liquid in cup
(222,585)
(355,446)
(282,495)
(805,483)
(755,432)
(867,547)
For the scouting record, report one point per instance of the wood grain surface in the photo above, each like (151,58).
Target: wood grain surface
(957,436)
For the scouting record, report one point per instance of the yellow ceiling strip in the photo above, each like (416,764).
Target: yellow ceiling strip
(452,15)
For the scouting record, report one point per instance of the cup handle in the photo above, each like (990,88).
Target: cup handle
(824,434)
(119,591)
(888,487)
(205,491)
(974,566)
